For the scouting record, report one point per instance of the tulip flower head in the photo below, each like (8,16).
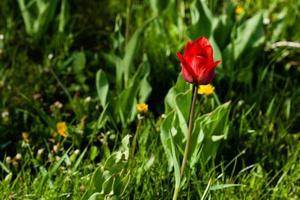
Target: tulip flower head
(197,63)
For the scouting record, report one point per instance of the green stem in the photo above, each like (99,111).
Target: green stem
(189,135)
(134,141)
(176,192)
(128,13)
(188,138)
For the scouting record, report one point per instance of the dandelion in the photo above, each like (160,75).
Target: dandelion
(77,151)
(58,104)
(206,89)
(57,158)
(8,159)
(266,21)
(50,56)
(5,114)
(88,99)
(56,148)
(82,188)
(40,151)
(37,96)
(18,156)
(142,107)
(61,128)
(25,136)
(239,10)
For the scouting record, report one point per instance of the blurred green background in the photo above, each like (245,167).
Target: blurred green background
(87,64)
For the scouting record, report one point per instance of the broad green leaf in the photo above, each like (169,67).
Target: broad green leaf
(128,97)
(93,152)
(222,29)
(201,20)
(183,104)
(208,130)
(97,179)
(180,87)
(145,87)
(96,196)
(63,16)
(248,39)
(37,15)
(79,61)
(117,62)
(158,6)
(131,49)
(107,185)
(102,86)
(166,134)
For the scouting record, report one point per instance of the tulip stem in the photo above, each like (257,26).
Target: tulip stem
(188,138)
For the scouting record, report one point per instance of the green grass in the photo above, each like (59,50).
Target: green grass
(78,66)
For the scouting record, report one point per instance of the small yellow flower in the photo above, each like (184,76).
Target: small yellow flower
(25,136)
(239,10)
(62,129)
(142,107)
(206,89)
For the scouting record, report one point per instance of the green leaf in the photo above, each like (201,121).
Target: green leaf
(128,97)
(78,61)
(102,86)
(248,40)
(158,6)
(107,185)
(78,161)
(3,167)
(166,134)
(96,196)
(209,130)
(223,186)
(181,86)
(63,16)
(93,152)
(145,87)
(201,20)
(37,15)
(97,179)
(270,110)
(182,106)
(131,49)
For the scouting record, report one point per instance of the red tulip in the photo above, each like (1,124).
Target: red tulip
(197,63)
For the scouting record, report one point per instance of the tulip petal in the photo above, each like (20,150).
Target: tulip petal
(207,52)
(202,41)
(216,63)
(187,71)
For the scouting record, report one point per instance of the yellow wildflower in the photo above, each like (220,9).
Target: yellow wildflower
(239,10)
(62,129)
(206,89)
(25,137)
(142,107)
